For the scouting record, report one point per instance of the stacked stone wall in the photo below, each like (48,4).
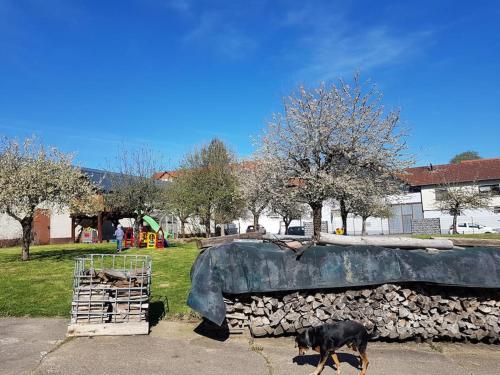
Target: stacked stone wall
(426,226)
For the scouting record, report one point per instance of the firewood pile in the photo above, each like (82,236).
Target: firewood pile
(389,311)
(108,296)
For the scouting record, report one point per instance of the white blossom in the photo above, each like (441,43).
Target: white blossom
(330,137)
(32,176)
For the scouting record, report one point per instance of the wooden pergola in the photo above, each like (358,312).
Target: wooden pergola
(98,219)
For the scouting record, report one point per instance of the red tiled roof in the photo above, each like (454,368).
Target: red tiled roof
(465,171)
(167,175)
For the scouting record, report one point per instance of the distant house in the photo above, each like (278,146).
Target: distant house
(428,183)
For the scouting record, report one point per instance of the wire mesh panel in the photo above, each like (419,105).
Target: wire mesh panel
(110,295)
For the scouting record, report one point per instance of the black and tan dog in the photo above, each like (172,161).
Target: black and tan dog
(326,339)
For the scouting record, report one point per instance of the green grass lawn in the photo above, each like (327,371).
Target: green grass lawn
(43,285)
(495,236)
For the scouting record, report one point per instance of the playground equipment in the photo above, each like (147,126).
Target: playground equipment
(89,235)
(156,238)
(128,237)
(150,239)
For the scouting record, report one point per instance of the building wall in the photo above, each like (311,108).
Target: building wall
(489,217)
(429,195)
(405,198)
(60,225)
(329,213)
(483,217)
(10,230)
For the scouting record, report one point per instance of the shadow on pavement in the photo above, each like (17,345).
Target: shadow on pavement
(314,359)
(157,310)
(213,331)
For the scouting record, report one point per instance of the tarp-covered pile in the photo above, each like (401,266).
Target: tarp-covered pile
(242,268)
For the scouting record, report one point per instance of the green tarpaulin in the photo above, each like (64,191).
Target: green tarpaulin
(241,268)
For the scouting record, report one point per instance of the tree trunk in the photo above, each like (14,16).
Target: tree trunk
(287,222)
(455,214)
(255,221)
(363,226)
(183,228)
(26,224)
(207,226)
(137,224)
(316,208)
(343,215)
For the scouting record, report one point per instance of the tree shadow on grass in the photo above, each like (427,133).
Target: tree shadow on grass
(314,359)
(67,254)
(55,255)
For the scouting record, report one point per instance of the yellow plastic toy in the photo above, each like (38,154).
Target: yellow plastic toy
(151,240)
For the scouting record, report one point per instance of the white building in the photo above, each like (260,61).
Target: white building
(485,173)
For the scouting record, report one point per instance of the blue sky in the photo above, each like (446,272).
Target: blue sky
(95,77)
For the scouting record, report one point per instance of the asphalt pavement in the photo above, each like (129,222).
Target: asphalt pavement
(39,346)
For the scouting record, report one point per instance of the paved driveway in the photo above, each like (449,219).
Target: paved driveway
(36,346)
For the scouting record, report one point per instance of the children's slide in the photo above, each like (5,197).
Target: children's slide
(152,223)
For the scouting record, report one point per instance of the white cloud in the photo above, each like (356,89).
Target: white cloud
(337,54)
(215,31)
(180,6)
(330,44)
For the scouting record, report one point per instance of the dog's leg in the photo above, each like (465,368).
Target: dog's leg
(321,364)
(364,363)
(337,362)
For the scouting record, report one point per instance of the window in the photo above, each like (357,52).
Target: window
(496,209)
(490,189)
(463,225)
(441,194)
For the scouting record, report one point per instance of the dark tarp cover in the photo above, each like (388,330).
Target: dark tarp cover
(242,267)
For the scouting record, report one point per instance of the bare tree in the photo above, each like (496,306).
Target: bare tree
(33,176)
(134,190)
(453,199)
(330,135)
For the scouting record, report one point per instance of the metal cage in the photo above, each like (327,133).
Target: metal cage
(110,295)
